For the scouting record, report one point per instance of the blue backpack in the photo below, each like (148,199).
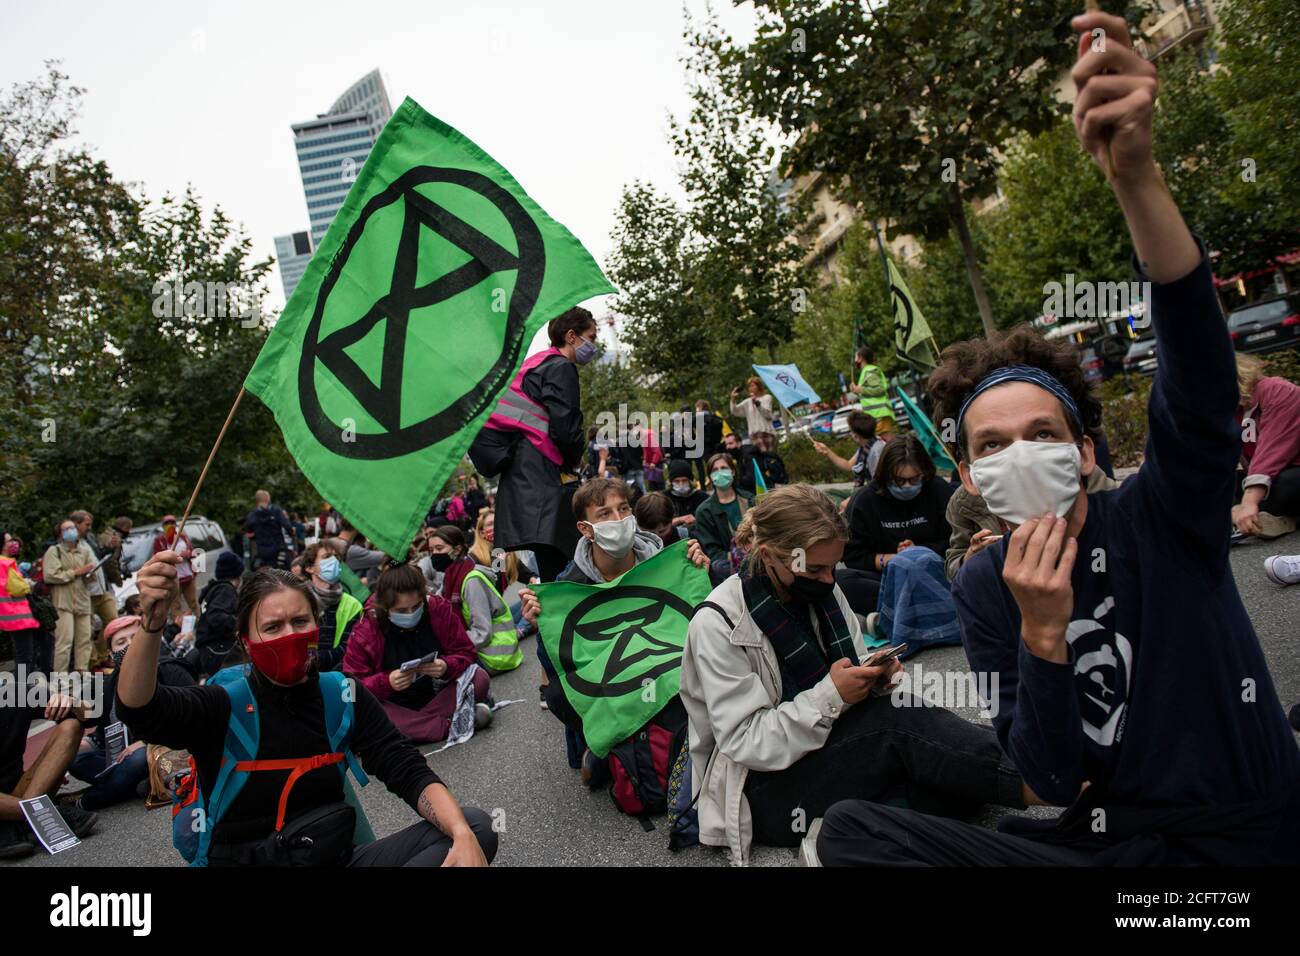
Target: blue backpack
(194,818)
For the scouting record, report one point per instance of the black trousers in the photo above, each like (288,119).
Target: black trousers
(861,588)
(423,844)
(550,561)
(858,833)
(878,750)
(33,648)
(1283,497)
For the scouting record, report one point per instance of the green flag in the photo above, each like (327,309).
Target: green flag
(618,646)
(411,319)
(912,337)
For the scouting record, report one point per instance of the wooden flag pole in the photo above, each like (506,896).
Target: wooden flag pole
(208,464)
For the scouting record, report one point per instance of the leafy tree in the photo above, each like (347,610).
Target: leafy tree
(905,106)
(119,388)
(750,274)
(653,264)
(1059,217)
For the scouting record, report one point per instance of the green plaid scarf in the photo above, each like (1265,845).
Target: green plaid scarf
(803,663)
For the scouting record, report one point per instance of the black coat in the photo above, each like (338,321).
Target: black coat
(533,507)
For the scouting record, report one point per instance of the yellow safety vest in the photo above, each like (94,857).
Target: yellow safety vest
(502,651)
(875,403)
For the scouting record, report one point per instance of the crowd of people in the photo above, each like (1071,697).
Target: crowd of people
(1129,684)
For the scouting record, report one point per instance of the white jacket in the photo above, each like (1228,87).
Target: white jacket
(731,687)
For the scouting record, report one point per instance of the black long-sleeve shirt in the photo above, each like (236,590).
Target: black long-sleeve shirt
(1166,701)
(292,724)
(878,523)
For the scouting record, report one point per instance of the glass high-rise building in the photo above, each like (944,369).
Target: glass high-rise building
(292,252)
(331,150)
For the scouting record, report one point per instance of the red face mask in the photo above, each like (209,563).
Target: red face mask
(284,660)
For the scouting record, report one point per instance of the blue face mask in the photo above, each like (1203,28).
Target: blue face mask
(329,569)
(904,493)
(585,352)
(406,621)
(70,535)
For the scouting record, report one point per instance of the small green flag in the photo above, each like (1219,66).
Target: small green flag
(411,319)
(618,646)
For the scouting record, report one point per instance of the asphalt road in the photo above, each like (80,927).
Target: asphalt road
(516,768)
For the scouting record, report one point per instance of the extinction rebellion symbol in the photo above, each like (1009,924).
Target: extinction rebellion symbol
(642,649)
(383,402)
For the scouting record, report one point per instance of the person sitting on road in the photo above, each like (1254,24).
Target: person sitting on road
(358,559)
(611,545)
(277,628)
(339,610)
(718,517)
(1269,490)
(684,496)
(654,513)
(894,573)
(761,457)
(45,775)
(472,590)
(862,429)
(1102,615)
(405,624)
(778,692)
(214,632)
(123,780)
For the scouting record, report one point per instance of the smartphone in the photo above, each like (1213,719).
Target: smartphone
(411,665)
(883,657)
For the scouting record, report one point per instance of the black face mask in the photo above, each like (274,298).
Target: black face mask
(810,590)
(440,562)
(806,590)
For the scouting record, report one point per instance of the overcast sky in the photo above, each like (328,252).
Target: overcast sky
(569,95)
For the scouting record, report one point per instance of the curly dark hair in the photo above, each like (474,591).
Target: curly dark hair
(963,365)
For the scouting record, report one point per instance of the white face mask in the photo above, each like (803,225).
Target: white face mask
(615,537)
(1028,479)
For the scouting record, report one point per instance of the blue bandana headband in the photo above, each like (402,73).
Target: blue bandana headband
(1022,373)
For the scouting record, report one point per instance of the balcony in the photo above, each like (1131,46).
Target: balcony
(1182,26)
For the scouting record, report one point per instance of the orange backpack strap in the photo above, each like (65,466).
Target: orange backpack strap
(297,767)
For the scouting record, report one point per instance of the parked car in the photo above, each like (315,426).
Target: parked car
(1266,326)
(1140,359)
(205,535)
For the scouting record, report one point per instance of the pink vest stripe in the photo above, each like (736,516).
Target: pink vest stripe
(517,412)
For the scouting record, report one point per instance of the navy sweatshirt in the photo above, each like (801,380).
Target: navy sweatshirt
(1167,700)
(879,523)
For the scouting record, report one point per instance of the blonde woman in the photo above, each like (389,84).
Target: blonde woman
(783,716)
(1270,452)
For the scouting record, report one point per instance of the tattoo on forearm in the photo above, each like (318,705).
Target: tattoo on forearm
(430,814)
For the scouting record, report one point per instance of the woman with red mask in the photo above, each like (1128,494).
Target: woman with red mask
(405,624)
(277,626)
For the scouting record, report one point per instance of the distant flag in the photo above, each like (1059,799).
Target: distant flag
(786,384)
(760,486)
(913,340)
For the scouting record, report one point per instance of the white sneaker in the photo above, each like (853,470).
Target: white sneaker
(1283,569)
